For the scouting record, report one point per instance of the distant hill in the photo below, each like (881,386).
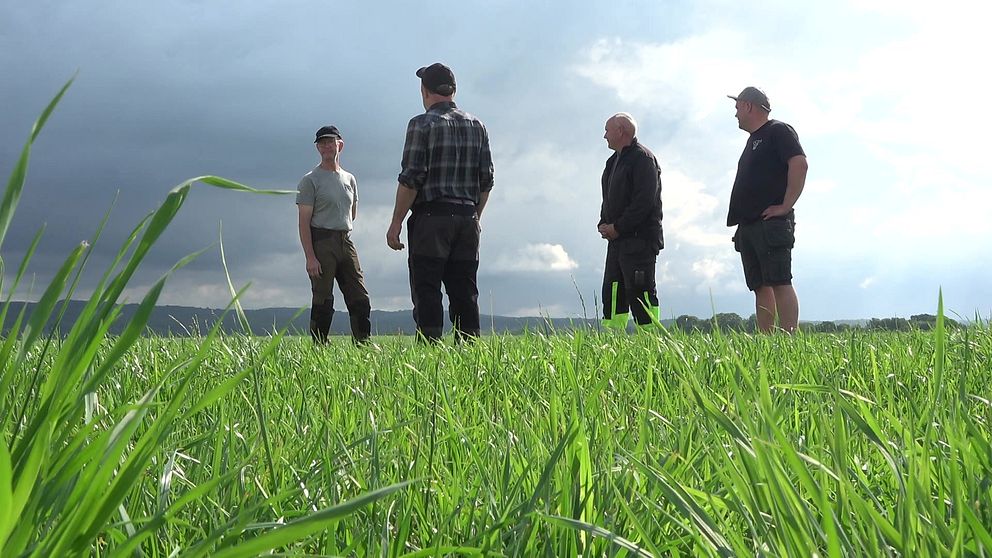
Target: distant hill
(186,320)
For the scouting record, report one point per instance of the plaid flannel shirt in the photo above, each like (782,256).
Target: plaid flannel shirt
(447,155)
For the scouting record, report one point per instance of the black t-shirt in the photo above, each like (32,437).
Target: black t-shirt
(762,173)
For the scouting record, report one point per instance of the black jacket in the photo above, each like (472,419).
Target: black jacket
(632,195)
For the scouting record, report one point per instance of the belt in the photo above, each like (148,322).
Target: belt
(457,201)
(444,208)
(317,233)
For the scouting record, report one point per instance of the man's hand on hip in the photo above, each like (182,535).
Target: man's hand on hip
(775,211)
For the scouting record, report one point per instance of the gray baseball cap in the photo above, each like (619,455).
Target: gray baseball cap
(755,96)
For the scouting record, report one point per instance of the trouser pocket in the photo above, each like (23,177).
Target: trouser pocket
(779,233)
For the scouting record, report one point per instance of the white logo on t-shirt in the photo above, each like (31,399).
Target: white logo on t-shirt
(755,144)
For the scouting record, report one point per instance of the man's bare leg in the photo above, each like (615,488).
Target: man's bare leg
(764,308)
(787,303)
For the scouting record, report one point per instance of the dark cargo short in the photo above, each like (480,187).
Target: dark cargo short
(766,251)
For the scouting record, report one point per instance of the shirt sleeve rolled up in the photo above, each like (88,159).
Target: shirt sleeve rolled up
(413,171)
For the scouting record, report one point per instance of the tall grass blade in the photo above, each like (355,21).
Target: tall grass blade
(6,494)
(600,532)
(307,526)
(242,318)
(15,184)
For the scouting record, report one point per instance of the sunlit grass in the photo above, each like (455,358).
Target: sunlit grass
(585,443)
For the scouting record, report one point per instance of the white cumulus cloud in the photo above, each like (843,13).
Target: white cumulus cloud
(536,257)
(708,270)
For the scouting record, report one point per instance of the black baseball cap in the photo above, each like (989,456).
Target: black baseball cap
(755,96)
(327,132)
(437,78)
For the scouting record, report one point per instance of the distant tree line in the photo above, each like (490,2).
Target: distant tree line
(923,322)
(727,322)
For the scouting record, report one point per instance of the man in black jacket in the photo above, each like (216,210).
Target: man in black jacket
(630,220)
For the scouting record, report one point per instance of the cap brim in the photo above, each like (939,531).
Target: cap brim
(732,97)
(335,136)
(420,72)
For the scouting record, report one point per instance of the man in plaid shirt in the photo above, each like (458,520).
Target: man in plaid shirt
(447,173)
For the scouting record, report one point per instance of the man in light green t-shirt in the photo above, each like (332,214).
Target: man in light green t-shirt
(327,198)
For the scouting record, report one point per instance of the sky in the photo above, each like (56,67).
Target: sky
(888,98)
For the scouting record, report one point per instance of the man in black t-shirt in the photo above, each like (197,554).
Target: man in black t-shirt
(771,174)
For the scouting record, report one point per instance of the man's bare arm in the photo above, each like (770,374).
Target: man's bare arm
(483,199)
(306,239)
(794,188)
(405,197)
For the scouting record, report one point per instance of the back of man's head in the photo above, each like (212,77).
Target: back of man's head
(438,79)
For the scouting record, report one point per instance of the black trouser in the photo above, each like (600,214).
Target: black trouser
(629,283)
(338,261)
(444,248)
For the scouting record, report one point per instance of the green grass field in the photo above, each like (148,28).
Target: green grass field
(861,444)
(583,443)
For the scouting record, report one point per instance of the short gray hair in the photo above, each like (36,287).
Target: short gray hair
(626,122)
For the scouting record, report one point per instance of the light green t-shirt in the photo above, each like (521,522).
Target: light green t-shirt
(332,195)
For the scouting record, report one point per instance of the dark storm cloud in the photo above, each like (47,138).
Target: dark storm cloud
(169,91)
(164,94)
